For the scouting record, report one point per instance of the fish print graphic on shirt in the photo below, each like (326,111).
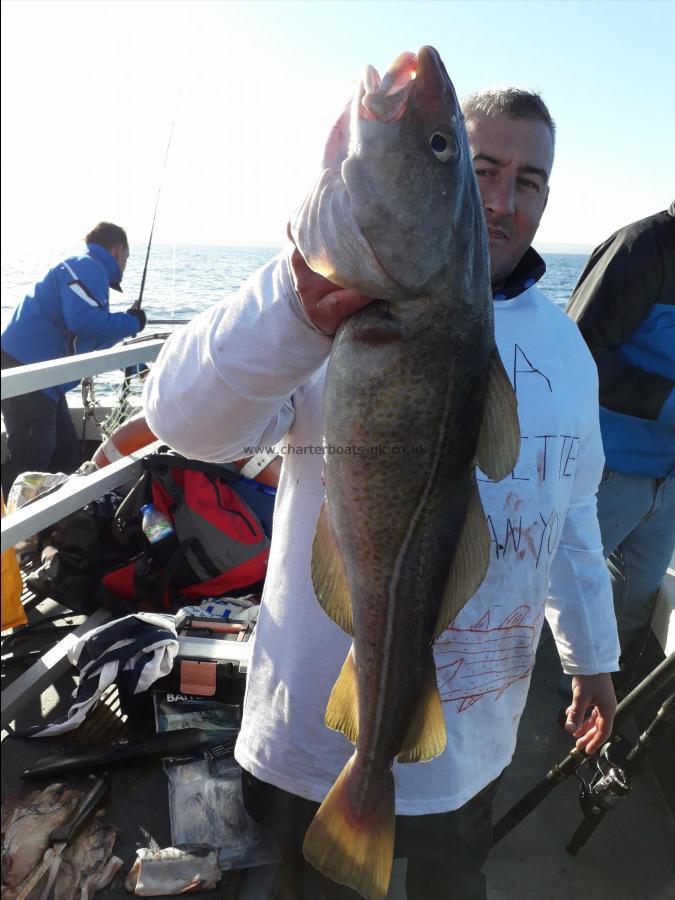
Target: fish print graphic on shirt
(487,649)
(483,661)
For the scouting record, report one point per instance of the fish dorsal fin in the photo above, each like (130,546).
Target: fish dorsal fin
(342,713)
(499,439)
(328,573)
(469,564)
(426,736)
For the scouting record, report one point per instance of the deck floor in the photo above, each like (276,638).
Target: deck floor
(630,857)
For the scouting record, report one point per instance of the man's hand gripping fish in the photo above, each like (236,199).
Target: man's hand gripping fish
(401,542)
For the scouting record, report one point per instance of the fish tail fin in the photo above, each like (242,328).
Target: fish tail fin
(353,843)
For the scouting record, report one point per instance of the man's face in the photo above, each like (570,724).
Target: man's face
(121,255)
(512,159)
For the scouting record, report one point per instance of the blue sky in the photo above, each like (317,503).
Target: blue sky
(89,92)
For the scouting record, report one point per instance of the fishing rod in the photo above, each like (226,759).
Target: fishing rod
(137,303)
(605,791)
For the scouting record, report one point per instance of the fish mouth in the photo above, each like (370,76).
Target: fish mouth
(386,99)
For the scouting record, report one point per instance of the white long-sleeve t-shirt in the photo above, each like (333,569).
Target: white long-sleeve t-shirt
(249,372)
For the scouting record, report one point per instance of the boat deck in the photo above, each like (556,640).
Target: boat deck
(630,857)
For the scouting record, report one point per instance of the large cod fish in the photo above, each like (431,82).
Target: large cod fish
(415,397)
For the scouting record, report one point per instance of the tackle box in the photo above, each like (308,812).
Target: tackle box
(211,662)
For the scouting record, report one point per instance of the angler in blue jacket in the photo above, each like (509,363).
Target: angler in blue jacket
(624,305)
(67,312)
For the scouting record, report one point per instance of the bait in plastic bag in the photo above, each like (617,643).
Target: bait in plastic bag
(174,870)
(206,807)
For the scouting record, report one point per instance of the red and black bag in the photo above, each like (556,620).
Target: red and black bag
(219,546)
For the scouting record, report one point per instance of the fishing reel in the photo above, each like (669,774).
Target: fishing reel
(604,781)
(607,783)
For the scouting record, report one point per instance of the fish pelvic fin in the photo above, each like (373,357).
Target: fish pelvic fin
(426,736)
(498,445)
(342,712)
(354,844)
(469,564)
(329,576)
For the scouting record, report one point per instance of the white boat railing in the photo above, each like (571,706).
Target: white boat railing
(71,496)
(36,377)
(46,670)
(79,491)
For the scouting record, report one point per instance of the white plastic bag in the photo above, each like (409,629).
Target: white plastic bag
(206,807)
(30,485)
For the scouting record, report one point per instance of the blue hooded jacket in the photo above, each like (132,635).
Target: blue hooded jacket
(624,305)
(68,312)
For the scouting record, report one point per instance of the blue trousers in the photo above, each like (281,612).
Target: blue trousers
(41,437)
(637,523)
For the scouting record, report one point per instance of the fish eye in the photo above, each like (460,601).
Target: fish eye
(443,146)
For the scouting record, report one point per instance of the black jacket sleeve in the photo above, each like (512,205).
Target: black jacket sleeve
(621,282)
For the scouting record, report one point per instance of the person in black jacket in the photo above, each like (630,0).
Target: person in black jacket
(624,305)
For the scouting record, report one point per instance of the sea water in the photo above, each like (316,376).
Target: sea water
(183,280)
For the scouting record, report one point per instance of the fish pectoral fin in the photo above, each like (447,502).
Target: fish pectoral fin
(498,445)
(329,577)
(426,737)
(350,844)
(342,712)
(469,564)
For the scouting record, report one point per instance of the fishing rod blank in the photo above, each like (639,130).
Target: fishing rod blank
(137,303)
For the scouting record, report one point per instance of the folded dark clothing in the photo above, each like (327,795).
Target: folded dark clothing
(133,651)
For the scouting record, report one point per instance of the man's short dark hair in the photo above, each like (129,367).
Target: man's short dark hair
(107,235)
(515,102)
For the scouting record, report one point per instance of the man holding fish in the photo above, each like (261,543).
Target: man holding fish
(451,505)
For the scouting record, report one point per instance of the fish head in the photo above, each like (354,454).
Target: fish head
(397,195)
(408,171)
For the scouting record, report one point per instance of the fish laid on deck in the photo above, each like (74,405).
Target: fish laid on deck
(174,870)
(26,833)
(88,864)
(415,397)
